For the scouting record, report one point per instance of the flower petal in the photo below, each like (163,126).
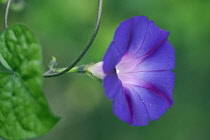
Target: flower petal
(138,111)
(118,47)
(123,35)
(161,59)
(146,37)
(155,104)
(159,82)
(129,107)
(139,29)
(135,105)
(112,85)
(163,81)
(111,58)
(121,106)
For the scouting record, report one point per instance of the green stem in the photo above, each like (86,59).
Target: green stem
(77,69)
(6,14)
(73,70)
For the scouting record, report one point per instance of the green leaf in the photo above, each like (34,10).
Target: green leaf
(24,112)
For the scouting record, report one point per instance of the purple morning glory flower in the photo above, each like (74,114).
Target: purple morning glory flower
(136,71)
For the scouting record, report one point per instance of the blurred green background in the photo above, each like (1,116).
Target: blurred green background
(64,27)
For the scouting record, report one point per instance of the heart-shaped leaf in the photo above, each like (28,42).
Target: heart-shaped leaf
(24,112)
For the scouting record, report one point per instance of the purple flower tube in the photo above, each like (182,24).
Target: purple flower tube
(136,71)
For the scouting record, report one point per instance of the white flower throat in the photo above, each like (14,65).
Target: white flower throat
(117,71)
